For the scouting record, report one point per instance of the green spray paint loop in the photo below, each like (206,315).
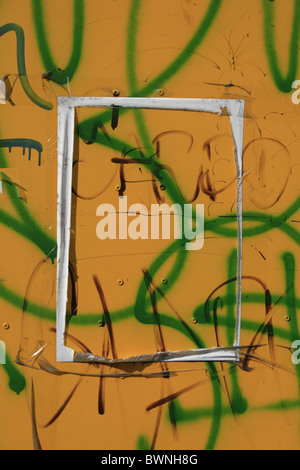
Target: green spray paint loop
(174,67)
(283,83)
(53,72)
(18,30)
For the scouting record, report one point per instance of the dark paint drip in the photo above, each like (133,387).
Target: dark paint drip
(16,380)
(143,443)
(35,436)
(101,393)
(23,143)
(115,118)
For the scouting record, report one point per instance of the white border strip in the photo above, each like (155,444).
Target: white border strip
(65,132)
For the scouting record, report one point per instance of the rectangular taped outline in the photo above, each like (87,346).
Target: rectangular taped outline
(234,109)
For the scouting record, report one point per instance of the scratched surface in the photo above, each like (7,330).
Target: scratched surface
(169,299)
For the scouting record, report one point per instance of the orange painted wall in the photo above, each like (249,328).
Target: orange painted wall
(220,49)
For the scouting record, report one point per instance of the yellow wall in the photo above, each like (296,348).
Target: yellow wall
(220,49)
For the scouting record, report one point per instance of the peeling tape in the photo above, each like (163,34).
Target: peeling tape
(66,123)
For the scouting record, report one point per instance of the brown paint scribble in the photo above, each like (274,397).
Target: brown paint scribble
(93,196)
(186,326)
(63,406)
(157,424)
(216,326)
(266,324)
(158,330)
(74,289)
(160,346)
(259,182)
(106,316)
(101,392)
(173,396)
(35,436)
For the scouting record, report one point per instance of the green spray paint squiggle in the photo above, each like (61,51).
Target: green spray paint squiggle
(282,82)
(18,30)
(172,190)
(59,76)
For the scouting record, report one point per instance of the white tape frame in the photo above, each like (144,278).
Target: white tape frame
(65,131)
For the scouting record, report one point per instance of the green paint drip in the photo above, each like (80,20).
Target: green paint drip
(143,443)
(16,380)
(54,73)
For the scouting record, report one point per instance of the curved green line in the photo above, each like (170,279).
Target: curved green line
(182,58)
(183,416)
(168,72)
(283,82)
(56,75)
(21,65)
(28,227)
(172,190)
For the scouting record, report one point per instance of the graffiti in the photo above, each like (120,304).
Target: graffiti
(203,398)
(282,82)
(23,143)
(54,73)
(17,29)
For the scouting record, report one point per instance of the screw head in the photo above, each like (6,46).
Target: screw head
(100,323)
(193,320)
(162,187)
(6,326)
(116,93)
(120,282)
(287,318)
(164,280)
(118,187)
(160,92)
